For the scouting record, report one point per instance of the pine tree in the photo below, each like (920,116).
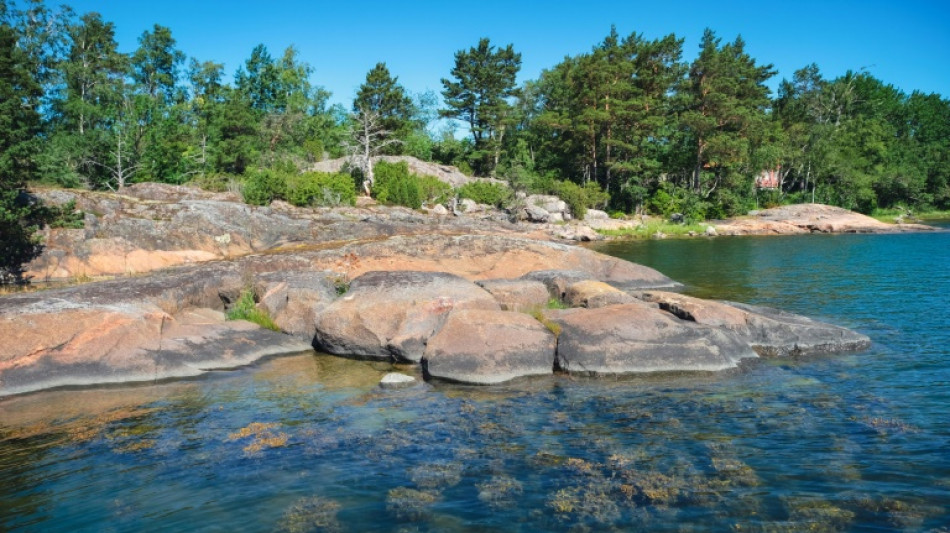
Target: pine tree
(484,82)
(19,121)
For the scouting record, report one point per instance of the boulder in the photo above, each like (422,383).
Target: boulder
(557,281)
(578,232)
(593,294)
(547,202)
(485,347)
(596,214)
(769,332)
(438,210)
(395,380)
(517,294)
(533,213)
(390,315)
(634,338)
(293,299)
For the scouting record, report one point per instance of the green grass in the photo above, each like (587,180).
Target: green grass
(244,309)
(652,227)
(910,216)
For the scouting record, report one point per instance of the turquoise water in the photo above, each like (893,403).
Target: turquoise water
(855,442)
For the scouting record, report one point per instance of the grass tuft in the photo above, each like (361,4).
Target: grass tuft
(245,309)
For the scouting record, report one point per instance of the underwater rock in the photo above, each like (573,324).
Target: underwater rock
(395,380)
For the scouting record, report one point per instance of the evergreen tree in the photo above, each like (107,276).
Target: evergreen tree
(382,95)
(484,83)
(726,113)
(19,120)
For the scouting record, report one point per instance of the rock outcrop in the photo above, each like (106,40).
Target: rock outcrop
(769,332)
(809,218)
(467,298)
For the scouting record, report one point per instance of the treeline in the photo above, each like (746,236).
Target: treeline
(656,132)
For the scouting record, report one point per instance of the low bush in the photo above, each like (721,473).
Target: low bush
(485,192)
(321,189)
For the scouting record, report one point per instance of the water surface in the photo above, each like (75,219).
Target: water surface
(855,442)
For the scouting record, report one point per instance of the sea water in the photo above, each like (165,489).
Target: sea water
(848,442)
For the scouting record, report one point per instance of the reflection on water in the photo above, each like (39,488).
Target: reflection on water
(310,443)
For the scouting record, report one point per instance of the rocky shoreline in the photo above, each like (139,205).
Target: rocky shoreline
(473,299)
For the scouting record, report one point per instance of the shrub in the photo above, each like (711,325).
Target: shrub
(433,190)
(264,186)
(321,188)
(485,192)
(575,197)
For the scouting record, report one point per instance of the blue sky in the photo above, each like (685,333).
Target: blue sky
(902,42)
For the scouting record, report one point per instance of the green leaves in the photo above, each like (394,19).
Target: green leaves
(484,81)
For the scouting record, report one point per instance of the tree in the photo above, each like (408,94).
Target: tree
(367,139)
(19,120)
(484,82)
(381,94)
(156,64)
(726,111)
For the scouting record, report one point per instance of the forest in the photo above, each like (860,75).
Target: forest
(629,126)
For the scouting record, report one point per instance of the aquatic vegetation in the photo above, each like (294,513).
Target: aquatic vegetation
(500,492)
(888,426)
(311,515)
(588,503)
(411,504)
(263,437)
(436,475)
(817,515)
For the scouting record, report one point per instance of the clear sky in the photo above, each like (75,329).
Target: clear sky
(902,42)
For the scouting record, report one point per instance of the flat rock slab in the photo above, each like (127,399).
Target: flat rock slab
(634,338)
(482,257)
(391,315)
(768,331)
(487,347)
(810,218)
(70,346)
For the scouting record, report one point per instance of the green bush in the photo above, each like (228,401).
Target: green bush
(395,186)
(321,188)
(433,190)
(485,192)
(261,187)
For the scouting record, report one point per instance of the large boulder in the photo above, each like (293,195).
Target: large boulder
(487,347)
(390,315)
(635,338)
(517,294)
(593,294)
(770,332)
(293,299)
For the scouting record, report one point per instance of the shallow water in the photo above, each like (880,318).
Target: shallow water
(855,442)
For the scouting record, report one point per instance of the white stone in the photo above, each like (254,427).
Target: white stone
(395,379)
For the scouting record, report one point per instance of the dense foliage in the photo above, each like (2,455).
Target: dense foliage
(631,118)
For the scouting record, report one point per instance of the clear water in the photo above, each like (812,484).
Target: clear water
(856,442)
